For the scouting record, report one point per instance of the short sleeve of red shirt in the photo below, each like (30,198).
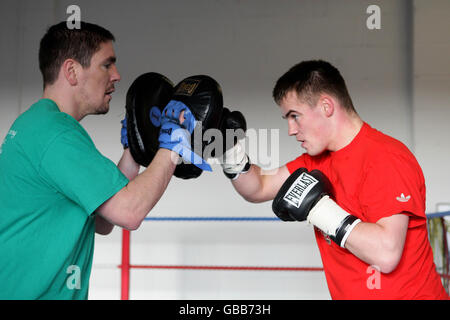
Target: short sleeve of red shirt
(295,164)
(303,161)
(393,184)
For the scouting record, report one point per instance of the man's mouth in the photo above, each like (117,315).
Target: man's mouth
(302,142)
(109,92)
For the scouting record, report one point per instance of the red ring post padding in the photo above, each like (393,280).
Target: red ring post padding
(125,283)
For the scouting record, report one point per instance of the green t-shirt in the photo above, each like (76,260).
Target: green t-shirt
(52,180)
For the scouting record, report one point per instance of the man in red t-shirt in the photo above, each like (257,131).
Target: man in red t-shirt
(363,191)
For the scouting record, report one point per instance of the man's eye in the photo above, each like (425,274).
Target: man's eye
(107,66)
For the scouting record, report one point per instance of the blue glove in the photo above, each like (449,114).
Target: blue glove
(177,137)
(123,133)
(173,110)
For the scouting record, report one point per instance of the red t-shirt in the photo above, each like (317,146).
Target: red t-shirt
(376,176)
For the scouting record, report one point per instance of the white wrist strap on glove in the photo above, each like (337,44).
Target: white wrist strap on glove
(235,160)
(333,220)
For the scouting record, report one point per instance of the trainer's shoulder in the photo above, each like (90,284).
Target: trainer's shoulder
(44,119)
(41,126)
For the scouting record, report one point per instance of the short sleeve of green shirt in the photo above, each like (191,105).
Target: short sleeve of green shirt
(73,166)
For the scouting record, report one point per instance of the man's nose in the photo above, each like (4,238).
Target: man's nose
(115,76)
(292,128)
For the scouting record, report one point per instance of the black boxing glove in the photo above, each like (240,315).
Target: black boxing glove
(233,127)
(234,158)
(305,196)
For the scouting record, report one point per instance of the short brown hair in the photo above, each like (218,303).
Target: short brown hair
(311,78)
(61,43)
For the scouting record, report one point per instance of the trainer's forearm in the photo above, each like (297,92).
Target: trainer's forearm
(144,191)
(130,169)
(127,165)
(132,203)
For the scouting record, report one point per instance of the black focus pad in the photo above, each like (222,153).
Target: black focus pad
(146,98)
(203,96)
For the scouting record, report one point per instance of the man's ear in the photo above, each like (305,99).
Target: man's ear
(327,104)
(69,70)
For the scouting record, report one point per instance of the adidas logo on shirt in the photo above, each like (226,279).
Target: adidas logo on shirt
(402,198)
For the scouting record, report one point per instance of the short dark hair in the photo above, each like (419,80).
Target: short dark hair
(311,78)
(61,43)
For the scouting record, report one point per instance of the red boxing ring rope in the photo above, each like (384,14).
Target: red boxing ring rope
(237,268)
(126,266)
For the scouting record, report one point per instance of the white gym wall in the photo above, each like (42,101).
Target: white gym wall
(398,77)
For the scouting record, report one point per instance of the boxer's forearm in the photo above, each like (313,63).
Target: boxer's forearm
(258,185)
(379,244)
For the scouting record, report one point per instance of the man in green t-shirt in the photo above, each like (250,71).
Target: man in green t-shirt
(57,189)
